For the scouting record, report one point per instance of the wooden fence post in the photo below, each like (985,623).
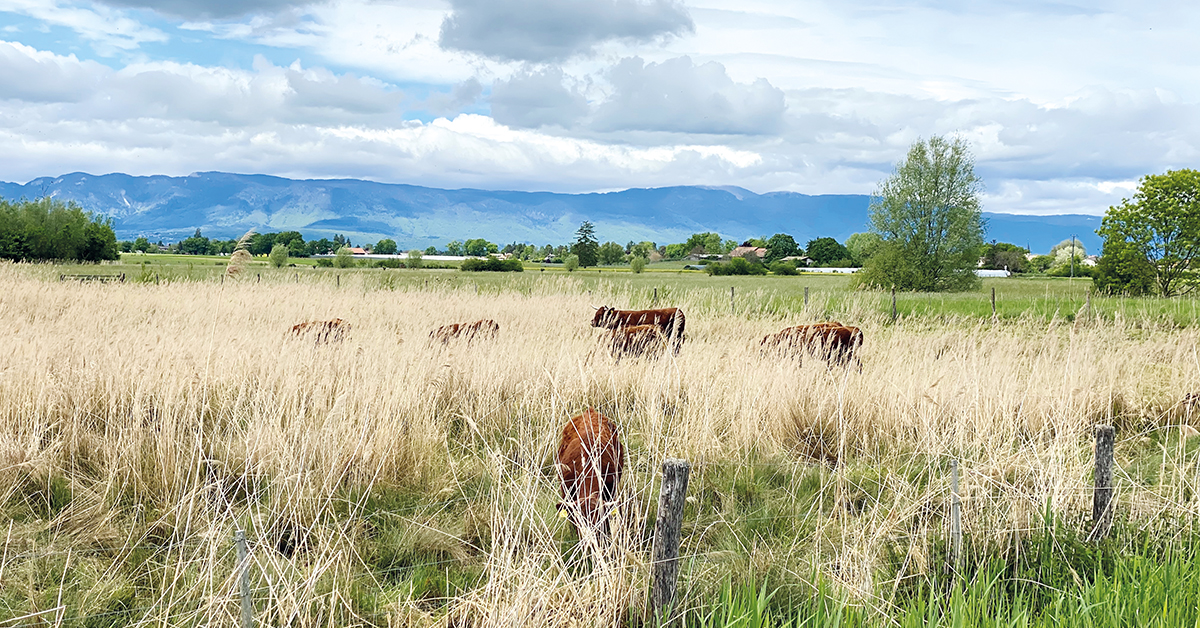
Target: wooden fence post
(655,300)
(339,280)
(805,296)
(667,529)
(1102,494)
(993,302)
(955,520)
(893,304)
(731,299)
(239,537)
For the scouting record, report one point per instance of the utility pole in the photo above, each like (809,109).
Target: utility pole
(1072,256)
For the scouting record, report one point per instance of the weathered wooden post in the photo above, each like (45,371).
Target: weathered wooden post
(993,302)
(1102,494)
(259,277)
(805,296)
(239,537)
(667,529)
(338,278)
(893,304)
(655,300)
(955,520)
(731,300)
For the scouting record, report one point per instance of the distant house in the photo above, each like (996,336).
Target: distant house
(358,250)
(743,251)
(1091,260)
(801,260)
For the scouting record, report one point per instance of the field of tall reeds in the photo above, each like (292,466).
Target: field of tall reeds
(385,480)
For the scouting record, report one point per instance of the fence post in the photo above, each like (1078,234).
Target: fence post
(655,301)
(805,296)
(893,304)
(156,279)
(731,300)
(666,538)
(993,302)
(1102,494)
(338,278)
(259,277)
(244,576)
(955,519)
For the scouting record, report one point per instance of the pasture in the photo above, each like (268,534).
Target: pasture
(386,480)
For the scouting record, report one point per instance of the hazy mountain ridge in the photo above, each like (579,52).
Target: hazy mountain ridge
(227,205)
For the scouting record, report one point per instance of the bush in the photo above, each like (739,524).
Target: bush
(279,255)
(49,229)
(325,262)
(389,263)
(637,264)
(736,266)
(493,264)
(343,258)
(571,262)
(414,259)
(784,268)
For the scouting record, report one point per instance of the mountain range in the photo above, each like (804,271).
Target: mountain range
(224,205)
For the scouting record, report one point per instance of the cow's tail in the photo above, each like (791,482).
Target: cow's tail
(677,325)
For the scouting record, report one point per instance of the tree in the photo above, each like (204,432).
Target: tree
(414,259)
(779,246)
(343,258)
(195,245)
(431,250)
(862,246)
(827,251)
(571,262)
(927,214)
(142,244)
(478,247)
(385,246)
(279,255)
(48,229)
(1123,269)
(454,248)
(637,264)
(1010,257)
(586,246)
(1161,223)
(611,253)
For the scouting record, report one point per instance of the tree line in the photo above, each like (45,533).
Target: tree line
(49,229)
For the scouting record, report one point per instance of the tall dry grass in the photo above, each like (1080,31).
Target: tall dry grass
(166,416)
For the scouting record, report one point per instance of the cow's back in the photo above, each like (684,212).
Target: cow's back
(590,461)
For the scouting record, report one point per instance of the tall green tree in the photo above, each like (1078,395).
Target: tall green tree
(48,229)
(862,246)
(1162,224)
(827,251)
(279,255)
(611,253)
(781,245)
(928,216)
(586,246)
(385,246)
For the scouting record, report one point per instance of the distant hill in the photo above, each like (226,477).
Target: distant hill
(227,205)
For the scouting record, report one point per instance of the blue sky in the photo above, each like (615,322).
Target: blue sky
(1065,104)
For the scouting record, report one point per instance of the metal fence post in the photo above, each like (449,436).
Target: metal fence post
(667,536)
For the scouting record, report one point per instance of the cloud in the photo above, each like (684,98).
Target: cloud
(459,97)
(678,96)
(210,9)
(553,30)
(108,30)
(539,98)
(32,75)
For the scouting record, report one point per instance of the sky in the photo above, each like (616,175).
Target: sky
(1065,104)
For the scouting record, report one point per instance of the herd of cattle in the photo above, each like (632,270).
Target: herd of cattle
(591,458)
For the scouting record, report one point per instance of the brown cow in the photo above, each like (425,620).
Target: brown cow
(589,462)
(832,341)
(636,341)
(486,328)
(670,320)
(323,331)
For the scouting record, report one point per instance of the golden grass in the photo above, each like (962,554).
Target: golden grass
(176,413)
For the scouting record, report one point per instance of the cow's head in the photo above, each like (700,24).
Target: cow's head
(601,317)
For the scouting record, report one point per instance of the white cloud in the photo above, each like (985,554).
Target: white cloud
(108,30)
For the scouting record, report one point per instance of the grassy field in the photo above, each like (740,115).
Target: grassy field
(385,481)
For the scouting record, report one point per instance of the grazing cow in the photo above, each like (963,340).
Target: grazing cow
(833,342)
(589,462)
(323,331)
(636,341)
(486,328)
(670,320)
